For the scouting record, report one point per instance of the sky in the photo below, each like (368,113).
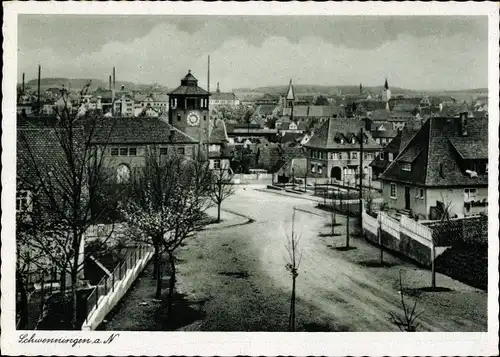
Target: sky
(413,52)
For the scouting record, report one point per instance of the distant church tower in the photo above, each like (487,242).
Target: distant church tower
(386,93)
(290,99)
(188,109)
(290,96)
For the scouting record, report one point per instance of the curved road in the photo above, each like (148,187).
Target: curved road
(335,282)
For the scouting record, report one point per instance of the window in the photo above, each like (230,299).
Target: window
(369,156)
(23,201)
(122,173)
(391,156)
(320,169)
(178,117)
(354,155)
(405,166)
(123,151)
(381,156)
(470,194)
(313,168)
(163,151)
(114,151)
(353,141)
(180,151)
(393,190)
(335,156)
(132,151)
(216,164)
(419,193)
(214,148)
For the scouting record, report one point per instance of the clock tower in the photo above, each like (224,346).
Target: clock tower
(188,110)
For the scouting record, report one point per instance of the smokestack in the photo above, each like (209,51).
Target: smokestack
(109,83)
(39,77)
(208,79)
(113,93)
(23,84)
(218,90)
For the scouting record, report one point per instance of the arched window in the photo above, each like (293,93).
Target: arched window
(122,173)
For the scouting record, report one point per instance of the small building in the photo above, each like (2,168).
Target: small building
(219,152)
(445,164)
(127,142)
(334,150)
(223,98)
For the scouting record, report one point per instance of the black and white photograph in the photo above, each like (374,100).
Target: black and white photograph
(290,172)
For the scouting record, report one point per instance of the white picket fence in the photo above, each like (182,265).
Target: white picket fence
(405,225)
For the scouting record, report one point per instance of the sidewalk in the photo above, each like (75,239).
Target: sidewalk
(310,197)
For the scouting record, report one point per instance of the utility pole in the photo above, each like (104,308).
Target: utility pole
(23,84)
(361,173)
(113,94)
(39,79)
(208,75)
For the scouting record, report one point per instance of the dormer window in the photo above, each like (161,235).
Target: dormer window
(353,141)
(406,166)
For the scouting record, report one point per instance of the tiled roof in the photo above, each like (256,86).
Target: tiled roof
(310,111)
(223,96)
(384,133)
(160,97)
(470,148)
(219,133)
(265,109)
(189,90)
(393,148)
(38,149)
(371,105)
(404,107)
(140,130)
(435,160)
(325,136)
(380,114)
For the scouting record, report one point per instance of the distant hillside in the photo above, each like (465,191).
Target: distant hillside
(77,83)
(309,89)
(313,89)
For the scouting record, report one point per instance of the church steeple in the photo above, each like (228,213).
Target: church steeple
(290,94)
(386,93)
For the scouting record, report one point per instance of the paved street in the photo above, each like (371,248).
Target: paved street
(238,272)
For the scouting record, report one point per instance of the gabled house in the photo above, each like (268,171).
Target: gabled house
(125,142)
(444,164)
(334,150)
(219,152)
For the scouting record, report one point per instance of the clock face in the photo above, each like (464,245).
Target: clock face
(193,119)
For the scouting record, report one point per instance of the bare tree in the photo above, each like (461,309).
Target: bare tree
(292,266)
(65,176)
(408,322)
(221,187)
(166,207)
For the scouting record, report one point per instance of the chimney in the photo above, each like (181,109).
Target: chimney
(171,136)
(113,93)
(218,90)
(208,75)
(123,87)
(109,83)
(463,124)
